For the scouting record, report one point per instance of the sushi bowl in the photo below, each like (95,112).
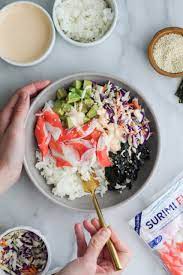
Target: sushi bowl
(110,198)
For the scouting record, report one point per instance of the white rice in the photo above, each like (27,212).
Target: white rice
(64,181)
(84,20)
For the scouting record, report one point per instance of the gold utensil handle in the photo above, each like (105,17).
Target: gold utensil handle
(110,246)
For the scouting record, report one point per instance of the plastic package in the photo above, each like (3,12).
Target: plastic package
(161,227)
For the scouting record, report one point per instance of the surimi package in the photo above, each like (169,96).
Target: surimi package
(161,226)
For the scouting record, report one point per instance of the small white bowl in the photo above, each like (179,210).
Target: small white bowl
(52,42)
(27,228)
(113,6)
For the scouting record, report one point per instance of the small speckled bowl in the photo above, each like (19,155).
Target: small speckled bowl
(110,199)
(112,4)
(27,228)
(153,42)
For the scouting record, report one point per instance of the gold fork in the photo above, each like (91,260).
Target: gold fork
(90,187)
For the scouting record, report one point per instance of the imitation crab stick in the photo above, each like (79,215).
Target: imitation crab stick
(102,152)
(53,124)
(42,135)
(78,132)
(67,146)
(171,255)
(94,136)
(55,145)
(80,145)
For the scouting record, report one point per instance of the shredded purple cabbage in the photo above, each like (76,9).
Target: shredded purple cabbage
(22,251)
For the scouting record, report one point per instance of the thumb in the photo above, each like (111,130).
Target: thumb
(96,244)
(20,111)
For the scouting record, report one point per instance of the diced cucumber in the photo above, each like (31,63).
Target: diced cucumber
(66,107)
(84,108)
(79,92)
(58,103)
(73,97)
(88,94)
(61,93)
(86,119)
(77,84)
(72,89)
(93,111)
(64,120)
(59,111)
(87,84)
(57,108)
(81,107)
(89,102)
(69,122)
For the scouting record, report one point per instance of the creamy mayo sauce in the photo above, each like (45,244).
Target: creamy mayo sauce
(25,33)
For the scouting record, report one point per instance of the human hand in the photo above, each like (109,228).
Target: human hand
(94,259)
(12,133)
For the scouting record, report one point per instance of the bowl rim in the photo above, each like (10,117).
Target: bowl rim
(87,44)
(107,76)
(154,40)
(52,42)
(39,234)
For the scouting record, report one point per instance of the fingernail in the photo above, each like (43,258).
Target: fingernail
(105,232)
(24,96)
(109,228)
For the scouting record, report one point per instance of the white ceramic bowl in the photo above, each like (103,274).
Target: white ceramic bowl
(110,199)
(27,228)
(52,42)
(112,4)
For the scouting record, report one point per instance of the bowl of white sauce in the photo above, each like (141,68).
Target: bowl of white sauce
(85,23)
(27,33)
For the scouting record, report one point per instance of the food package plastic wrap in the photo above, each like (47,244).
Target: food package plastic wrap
(161,227)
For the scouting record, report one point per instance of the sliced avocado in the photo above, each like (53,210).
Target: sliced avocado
(61,93)
(73,97)
(66,107)
(77,84)
(93,111)
(57,108)
(89,102)
(69,122)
